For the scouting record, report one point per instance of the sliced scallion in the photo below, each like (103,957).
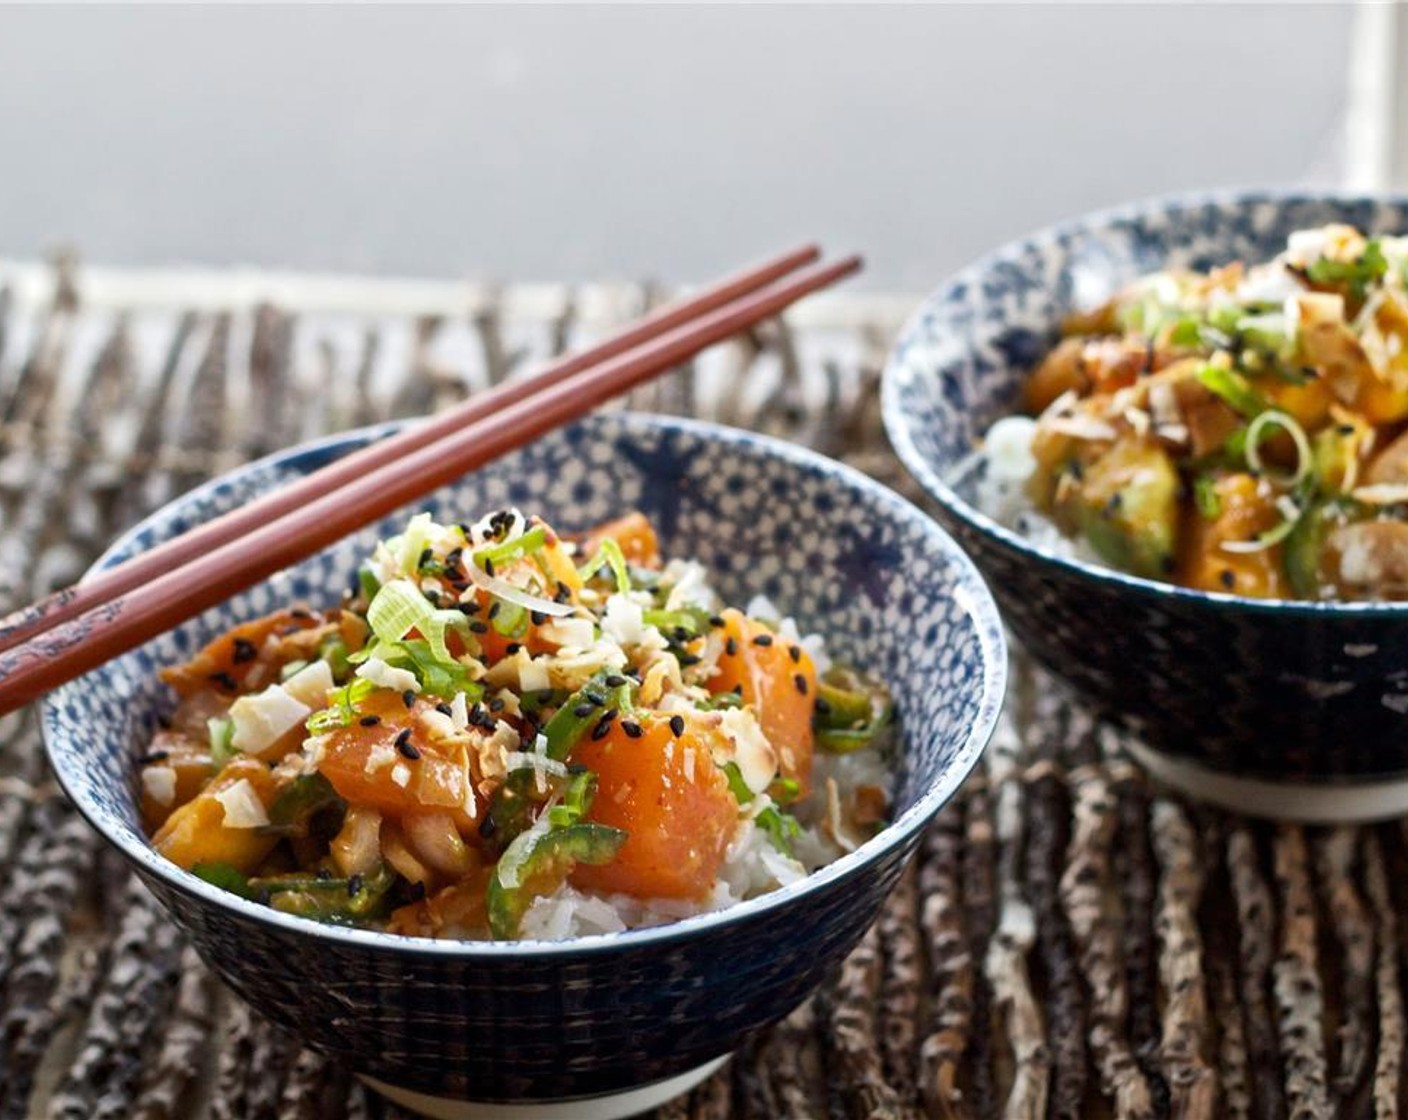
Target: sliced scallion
(1261,427)
(1233,388)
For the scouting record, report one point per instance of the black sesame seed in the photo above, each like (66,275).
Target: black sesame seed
(477,627)
(244,651)
(763,640)
(795,653)
(715,621)
(680,634)
(488,565)
(731,647)
(602,729)
(452,558)
(471,607)
(408,697)
(154,756)
(822,707)
(688,659)
(354,886)
(537,618)
(582,711)
(426,556)
(494,609)
(677,724)
(632,728)
(800,681)
(443,708)
(225,681)
(370,721)
(512,648)
(1227,579)
(593,697)
(614,681)
(496,704)
(564,593)
(405,746)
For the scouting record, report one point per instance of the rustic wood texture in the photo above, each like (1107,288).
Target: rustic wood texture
(1070,941)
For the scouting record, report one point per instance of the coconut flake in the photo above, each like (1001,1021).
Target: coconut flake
(261,720)
(623,622)
(1382,494)
(242,806)
(533,674)
(754,755)
(576,632)
(502,589)
(159,783)
(459,711)
(310,685)
(383,675)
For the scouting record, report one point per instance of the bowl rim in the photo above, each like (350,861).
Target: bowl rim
(970,591)
(899,426)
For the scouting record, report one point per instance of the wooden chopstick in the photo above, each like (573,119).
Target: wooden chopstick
(74,601)
(126,620)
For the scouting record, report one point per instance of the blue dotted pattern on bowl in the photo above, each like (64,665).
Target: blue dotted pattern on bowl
(541,1020)
(1283,691)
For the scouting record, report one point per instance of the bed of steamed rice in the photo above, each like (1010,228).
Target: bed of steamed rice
(1004,465)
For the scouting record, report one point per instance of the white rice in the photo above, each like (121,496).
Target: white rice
(1005,466)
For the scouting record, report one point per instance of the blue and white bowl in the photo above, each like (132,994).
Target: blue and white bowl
(1284,709)
(605,1025)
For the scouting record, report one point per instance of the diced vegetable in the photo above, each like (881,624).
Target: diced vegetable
(851,710)
(1127,506)
(197,832)
(633,535)
(777,679)
(540,862)
(665,792)
(1246,509)
(229,660)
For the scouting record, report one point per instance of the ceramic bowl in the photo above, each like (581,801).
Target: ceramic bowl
(604,1025)
(1283,709)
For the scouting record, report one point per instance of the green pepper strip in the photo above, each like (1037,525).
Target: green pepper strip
(1235,389)
(566,727)
(327,900)
(531,541)
(298,803)
(551,857)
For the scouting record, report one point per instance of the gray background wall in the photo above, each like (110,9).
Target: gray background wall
(574,143)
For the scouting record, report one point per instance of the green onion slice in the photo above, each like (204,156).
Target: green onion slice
(609,553)
(1233,388)
(1260,428)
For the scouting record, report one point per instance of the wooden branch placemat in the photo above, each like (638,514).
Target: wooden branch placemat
(1071,943)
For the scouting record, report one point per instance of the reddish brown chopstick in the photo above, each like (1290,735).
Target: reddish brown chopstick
(74,601)
(124,621)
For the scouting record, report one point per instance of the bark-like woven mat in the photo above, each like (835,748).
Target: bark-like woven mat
(1070,944)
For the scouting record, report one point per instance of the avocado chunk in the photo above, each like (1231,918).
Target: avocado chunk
(1126,506)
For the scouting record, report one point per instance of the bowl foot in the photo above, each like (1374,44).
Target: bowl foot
(607,1106)
(1307,803)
